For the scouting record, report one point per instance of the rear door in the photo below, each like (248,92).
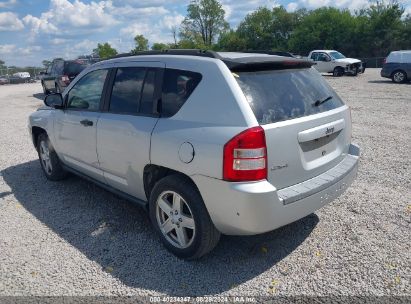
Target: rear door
(307,125)
(75,127)
(124,128)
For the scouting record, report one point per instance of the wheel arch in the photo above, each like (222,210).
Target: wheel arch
(153,173)
(399,70)
(35,133)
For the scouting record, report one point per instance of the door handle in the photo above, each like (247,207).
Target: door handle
(86,123)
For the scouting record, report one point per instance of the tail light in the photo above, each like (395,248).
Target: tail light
(245,156)
(65,79)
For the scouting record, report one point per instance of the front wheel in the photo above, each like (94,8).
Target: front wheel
(180,217)
(50,163)
(338,72)
(399,77)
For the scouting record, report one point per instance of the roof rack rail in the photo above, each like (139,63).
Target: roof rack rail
(277,53)
(190,52)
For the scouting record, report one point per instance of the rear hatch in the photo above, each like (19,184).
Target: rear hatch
(73,68)
(307,126)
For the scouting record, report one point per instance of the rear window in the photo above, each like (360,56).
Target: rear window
(286,94)
(72,68)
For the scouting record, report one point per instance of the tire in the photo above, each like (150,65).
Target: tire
(50,163)
(338,72)
(45,91)
(399,76)
(179,238)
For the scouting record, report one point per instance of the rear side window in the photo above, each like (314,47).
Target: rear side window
(177,88)
(286,94)
(126,94)
(72,68)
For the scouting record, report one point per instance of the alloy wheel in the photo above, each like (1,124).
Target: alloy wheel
(175,219)
(45,157)
(399,77)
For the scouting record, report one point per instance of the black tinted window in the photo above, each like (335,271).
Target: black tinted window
(86,93)
(281,95)
(126,94)
(72,68)
(146,106)
(177,88)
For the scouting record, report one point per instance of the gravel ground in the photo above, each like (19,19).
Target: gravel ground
(73,238)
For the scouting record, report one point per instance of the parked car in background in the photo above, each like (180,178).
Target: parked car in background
(210,143)
(397,66)
(331,61)
(60,73)
(4,80)
(19,77)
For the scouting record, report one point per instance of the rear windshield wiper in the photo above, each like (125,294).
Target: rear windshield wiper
(321,101)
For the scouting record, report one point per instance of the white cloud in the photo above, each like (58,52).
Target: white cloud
(12,49)
(236,10)
(7,48)
(133,12)
(157,32)
(9,3)
(71,18)
(292,6)
(10,22)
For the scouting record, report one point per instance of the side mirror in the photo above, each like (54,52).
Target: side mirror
(328,59)
(54,100)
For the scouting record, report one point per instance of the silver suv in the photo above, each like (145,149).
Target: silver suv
(209,143)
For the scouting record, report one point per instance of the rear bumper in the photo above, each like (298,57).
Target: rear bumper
(386,73)
(253,208)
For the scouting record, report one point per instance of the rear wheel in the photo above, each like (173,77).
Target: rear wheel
(50,163)
(338,72)
(180,217)
(399,76)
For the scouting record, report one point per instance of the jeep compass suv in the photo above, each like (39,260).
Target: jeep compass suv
(211,143)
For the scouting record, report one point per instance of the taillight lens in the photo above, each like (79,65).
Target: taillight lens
(245,156)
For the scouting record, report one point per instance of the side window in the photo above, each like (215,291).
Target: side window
(322,57)
(314,56)
(177,88)
(59,67)
(126,93)
(53,68)
(146,105)
(86,93)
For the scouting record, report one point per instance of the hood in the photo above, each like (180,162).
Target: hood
(348,60)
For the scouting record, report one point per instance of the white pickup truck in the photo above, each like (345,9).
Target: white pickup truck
(330,61)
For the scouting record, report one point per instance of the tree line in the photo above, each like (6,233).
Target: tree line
(371,32)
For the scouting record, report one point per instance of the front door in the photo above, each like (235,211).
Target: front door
(76,126)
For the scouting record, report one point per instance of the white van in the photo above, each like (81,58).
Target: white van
(22,75)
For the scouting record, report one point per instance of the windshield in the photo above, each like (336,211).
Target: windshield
(336,55)
(286,94)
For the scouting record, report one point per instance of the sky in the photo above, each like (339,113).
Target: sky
(35,30)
